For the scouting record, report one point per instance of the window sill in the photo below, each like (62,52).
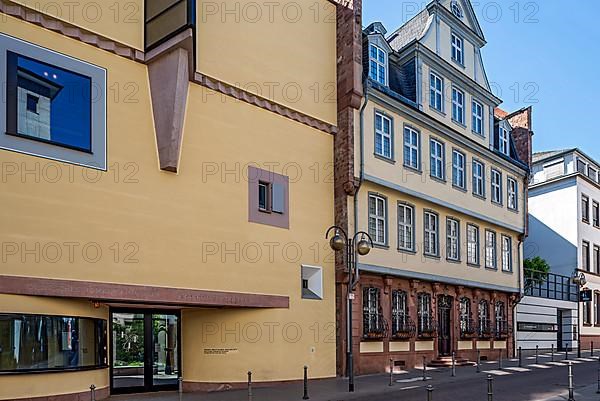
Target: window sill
(477,266)
(438,179)
(454,261)
(513,210)
(380,246)
(430,256)
(458,63)
(491,268)
(499,204)
(587,325)
(462,125)
(440,112)
(385,159)
(508,272)
(479,196)
(459,188)
(585,221)
(481,136)
(413,169)
(407,251)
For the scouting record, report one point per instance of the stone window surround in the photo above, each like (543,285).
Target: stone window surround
(255,215)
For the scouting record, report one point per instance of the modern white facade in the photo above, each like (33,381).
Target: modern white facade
(564,229)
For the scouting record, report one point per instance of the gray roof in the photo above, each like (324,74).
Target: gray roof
(411,30)
(538,156)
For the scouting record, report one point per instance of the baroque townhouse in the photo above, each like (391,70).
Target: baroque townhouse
(564,220)
(165,193)
(440,179)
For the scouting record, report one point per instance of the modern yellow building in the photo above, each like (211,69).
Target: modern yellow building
(167,180)
(439,184)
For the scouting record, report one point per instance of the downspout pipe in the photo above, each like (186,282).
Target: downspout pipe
(361,167)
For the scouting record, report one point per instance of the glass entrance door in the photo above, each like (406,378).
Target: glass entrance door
(145,351)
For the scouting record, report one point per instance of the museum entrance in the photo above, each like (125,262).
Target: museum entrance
(145,351)
(445,325)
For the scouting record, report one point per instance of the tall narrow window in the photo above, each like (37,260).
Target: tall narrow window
(490,249)
(585,209)
(436,92)
(437,159)
(496,186)
(472,245)
(581,166)
(383,136)
(458,169)
(431,234)
(453,239)
(399,313)
(483,313)
(411,148)
(377,64)
(596,214)
(512,194)
(264,196)
(597,308)
(425,322)
(466,326)
(587,313)
(406,227)
(377,219)
(506,254)
(458,106)
(597,260)
(504,141)
(478,178)
(501,323)
(585,255)
(458,49)
(477,118)
(372,319)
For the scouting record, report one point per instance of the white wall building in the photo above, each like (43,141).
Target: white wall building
(564,224)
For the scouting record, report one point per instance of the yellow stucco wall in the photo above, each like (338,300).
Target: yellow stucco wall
(290,45)
(22,386)
(122,21)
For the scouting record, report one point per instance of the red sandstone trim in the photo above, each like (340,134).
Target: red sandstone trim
(205,387)
(101,394)
(136,293)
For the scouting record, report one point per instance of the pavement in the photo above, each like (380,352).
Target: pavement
(546,380)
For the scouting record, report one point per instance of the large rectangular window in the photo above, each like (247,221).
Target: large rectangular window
(496,186)
(437,158)
(42,343)
(458,106)
(436,92)
(432,244)
(452,240)
(473,245)
(458,53)
(411,148)
(383,136)
(406,227)
(585,255)
(459,171)
(477,117)
(377,64)
(378,219)
(478,178)
(400,318)
(506,254)
(585,209)
(425,325)
(490,250)
(512,192)
(55,105)
(373,326)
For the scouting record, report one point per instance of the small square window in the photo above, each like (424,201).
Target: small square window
(264,190)
(312,282)
(32,103)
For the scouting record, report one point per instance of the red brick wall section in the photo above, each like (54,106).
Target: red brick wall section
(521,121)
(349,94)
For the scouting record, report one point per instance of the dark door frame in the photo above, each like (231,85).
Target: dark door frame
(148,351)
(448,325)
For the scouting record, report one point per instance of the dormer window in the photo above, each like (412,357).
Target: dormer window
(458,53)
(456,10)
(377,64)
(503,141)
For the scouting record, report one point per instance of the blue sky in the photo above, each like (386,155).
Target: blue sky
(544,55)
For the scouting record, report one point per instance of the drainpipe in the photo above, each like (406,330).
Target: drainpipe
(361,169)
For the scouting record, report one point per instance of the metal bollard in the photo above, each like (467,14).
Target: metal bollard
(592,349)
(430,393)
(249,386)
(424,370)
(490,381)
(93,392)
(598,390)
(571,396)
(391,372)
(305,396)
(478,361)
(520,357)
(500,359)
(552,352)
(537,354)
(567,351)
(453,364)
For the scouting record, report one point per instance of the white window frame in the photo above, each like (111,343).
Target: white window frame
(431,244)
(379,218)
(473,250)
(507,254)
(384,135)
(496,186)
(410,147)
(459,172)
(452,239)
(503,141)
(436,94)
(437,156)
(491,250)
(458,106)
(477,122)
(512,194)
(378,63)
(458,49)
(478,178)
(406,228)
